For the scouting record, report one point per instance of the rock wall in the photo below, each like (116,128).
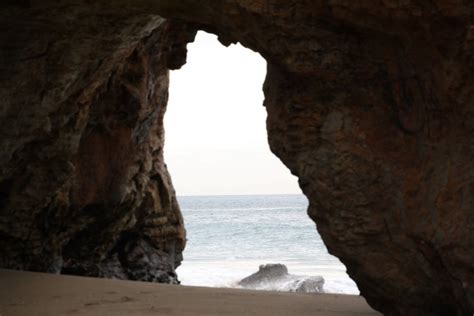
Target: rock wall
(83,185)
(370,104)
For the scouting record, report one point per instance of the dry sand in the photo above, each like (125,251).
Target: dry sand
(27,293)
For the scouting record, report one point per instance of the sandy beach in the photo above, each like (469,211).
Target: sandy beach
(27,293)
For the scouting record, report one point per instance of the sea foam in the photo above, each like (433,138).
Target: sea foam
(229,237)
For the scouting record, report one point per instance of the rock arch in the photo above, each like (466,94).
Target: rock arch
(369,104)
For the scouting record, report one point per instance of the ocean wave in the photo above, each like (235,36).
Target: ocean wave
(229,274)
(275,277)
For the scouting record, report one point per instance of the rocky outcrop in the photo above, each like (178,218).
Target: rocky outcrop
(275,277)
(83,185)
(265,273)
(370,104)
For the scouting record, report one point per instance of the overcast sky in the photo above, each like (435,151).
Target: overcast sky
(216,141)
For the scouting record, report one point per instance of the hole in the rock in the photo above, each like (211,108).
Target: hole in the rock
(242,208)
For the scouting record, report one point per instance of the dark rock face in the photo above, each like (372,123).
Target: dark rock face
(370,104)
(83,185)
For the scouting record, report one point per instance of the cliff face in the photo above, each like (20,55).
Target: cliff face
(370,104)
(83,185)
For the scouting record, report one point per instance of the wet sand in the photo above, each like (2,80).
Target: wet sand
(27,293)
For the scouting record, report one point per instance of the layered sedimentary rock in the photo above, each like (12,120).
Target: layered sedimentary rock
(83,185)
(370,104)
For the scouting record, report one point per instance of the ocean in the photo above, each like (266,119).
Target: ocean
(228,237)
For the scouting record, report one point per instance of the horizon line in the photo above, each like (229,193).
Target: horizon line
(237,194)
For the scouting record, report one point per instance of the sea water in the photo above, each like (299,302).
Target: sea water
(228,237)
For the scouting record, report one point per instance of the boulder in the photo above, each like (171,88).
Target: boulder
(276,277)
(265,273)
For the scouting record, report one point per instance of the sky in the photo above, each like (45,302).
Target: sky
(216,141)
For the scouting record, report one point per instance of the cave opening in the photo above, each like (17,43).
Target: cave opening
(241,206)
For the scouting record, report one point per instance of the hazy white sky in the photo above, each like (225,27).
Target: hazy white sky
(216,141)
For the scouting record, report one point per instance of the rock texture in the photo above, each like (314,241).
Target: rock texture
(370,104)
(83,185)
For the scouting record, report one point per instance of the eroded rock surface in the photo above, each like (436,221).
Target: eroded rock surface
(370,104)
(83,185)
